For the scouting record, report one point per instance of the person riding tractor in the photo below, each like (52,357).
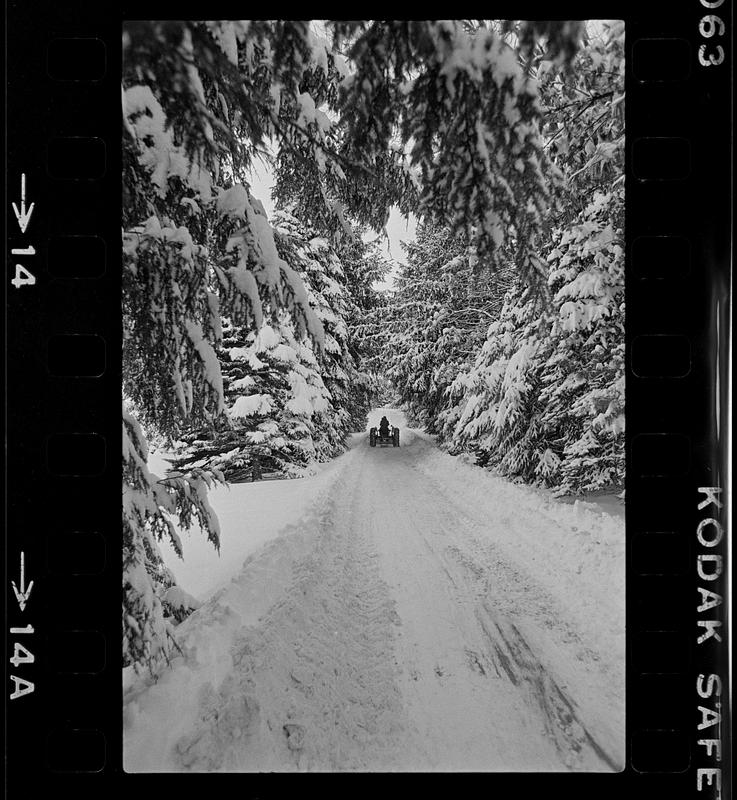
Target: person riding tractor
(384,427)
(384,435)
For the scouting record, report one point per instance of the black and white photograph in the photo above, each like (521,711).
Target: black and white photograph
(373,398)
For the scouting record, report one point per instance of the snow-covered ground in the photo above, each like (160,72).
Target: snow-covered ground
(400,610)
(249,515)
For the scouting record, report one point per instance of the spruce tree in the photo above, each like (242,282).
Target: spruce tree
(439,314)
(544,400)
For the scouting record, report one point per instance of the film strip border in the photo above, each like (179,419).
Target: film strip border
(63,397)
(63,540)
(677,294)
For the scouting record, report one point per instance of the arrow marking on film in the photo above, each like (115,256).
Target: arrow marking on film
(24,593)
(23,216)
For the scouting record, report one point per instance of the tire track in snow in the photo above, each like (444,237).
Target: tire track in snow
(501,650)
(313,684)
(511,596)
(465,714)
(563,718)
(561,714)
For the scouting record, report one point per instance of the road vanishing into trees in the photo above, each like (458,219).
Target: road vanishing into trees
(393,628)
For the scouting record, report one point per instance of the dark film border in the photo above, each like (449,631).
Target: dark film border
(678,188)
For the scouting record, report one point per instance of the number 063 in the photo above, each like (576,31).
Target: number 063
(711,55)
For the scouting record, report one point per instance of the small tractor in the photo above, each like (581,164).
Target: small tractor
(384,438)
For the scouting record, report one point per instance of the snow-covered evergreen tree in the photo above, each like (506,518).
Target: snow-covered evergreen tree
(149,503)
(544,399)
(288,404)
(466,115)
(583,379)
(364,266)
(195,247)
(318,264)
(273,391)
(437,319)
(493,404)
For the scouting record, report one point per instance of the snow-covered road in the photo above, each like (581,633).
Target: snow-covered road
(422,615)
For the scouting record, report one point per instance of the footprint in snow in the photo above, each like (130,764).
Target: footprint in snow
(295,735)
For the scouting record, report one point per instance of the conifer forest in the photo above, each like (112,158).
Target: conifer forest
(350,607)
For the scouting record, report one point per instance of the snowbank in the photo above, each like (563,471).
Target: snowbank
(250,515)
(575,549)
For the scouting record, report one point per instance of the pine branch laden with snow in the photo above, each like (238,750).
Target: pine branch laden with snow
(544,400)
(437,320)
(584,394)
(195,247)
(584,116)
(469,117)
(492,410)
(149,509)
(273,392)
(322,271)
(428,116)
(288,402)
(364,265)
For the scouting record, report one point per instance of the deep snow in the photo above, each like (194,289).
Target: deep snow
(250,514)
(400,610)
